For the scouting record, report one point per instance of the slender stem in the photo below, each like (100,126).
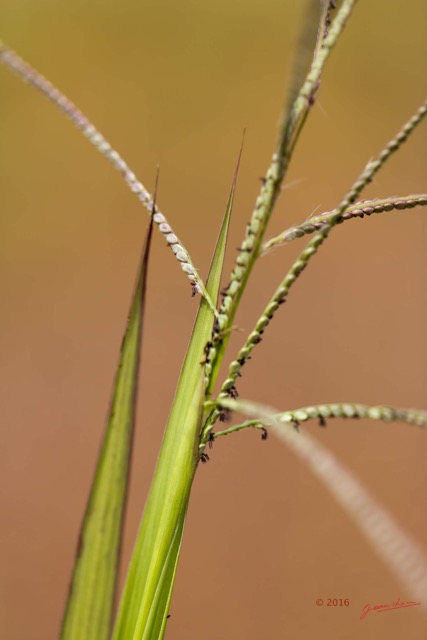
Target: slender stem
(357,210)
(249,424)
(16,64)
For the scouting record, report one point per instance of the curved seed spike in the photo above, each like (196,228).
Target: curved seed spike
(402,554)
(16,64)
(357,210)
(323,412)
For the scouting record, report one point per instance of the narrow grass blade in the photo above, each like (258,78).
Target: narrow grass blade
(89,609)
(148,589)
(217,338)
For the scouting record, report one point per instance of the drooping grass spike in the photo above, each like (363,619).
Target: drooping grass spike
(30,75)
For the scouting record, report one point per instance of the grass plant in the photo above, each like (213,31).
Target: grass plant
(192,426)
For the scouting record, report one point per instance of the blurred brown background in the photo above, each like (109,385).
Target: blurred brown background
(175,83)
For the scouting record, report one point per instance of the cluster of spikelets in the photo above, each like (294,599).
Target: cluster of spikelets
(145,601)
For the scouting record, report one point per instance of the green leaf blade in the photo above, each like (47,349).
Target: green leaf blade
(148,589)
(89,608)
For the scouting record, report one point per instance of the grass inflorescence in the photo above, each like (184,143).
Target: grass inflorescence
(146,597)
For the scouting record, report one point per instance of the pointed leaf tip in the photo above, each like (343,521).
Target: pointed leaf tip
(221,244)
(89,610)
